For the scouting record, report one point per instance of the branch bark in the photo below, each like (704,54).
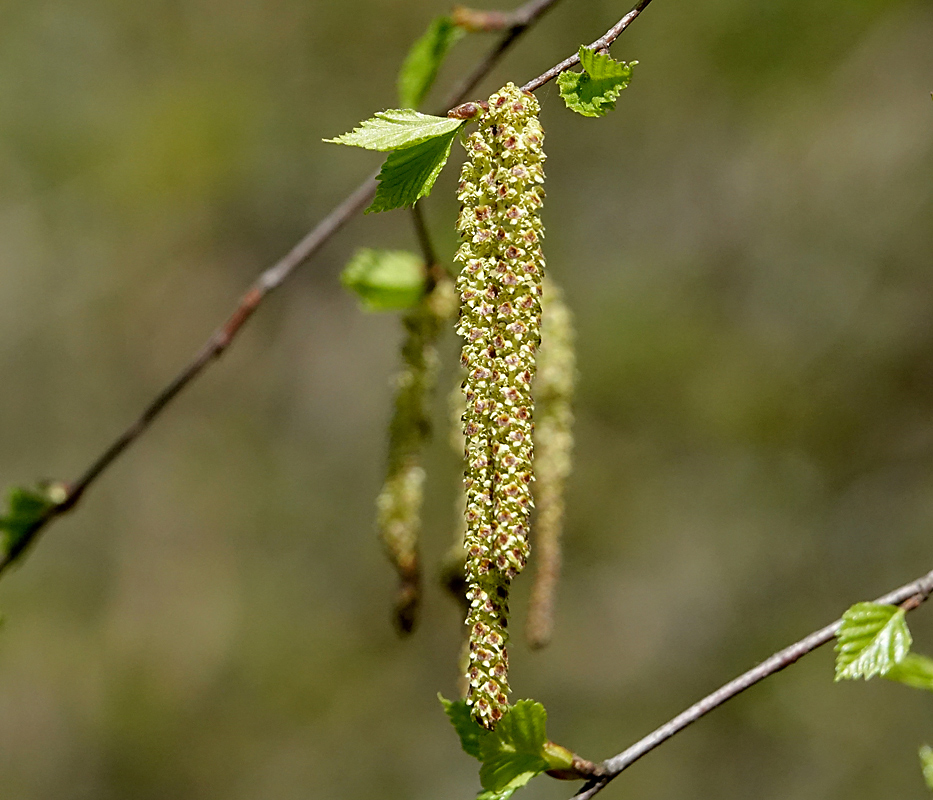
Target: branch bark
(520,21)
(909,597)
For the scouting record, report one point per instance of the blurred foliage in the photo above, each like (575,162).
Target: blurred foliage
(745,243)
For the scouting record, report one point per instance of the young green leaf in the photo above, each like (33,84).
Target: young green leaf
(514,754)
(872,639)
(593,92)
(471,733)
(385,280)
(396,129)
(926,763)
(25,507)
(914,670)
(408,175)
(424,59)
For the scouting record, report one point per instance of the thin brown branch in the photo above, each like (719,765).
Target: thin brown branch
(434,272)
(423,235)
(908,597)
(602,43)
(522,19)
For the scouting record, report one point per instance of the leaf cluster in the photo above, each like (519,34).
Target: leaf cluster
(514,753)
(874,640)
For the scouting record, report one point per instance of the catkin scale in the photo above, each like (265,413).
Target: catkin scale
(500,286)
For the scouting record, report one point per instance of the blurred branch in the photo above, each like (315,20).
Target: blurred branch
(520,21)
(434,273)
(909,597)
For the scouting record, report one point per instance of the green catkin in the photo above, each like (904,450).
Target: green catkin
(553,392)
(399,503)
(501,195)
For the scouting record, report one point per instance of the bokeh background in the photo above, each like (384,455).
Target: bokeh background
(747,243)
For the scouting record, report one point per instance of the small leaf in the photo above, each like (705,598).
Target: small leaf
(524,727)
(515,753)
(25,507)
(593,92)
(424,59)
(408,175)
(471,733)
(385,280)
(396,129)
(872,639)
(914,670)
(926,763)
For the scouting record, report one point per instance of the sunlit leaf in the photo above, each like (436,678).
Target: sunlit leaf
(396,129)
(515,754)
(408,175)
(872,639)
(593,92)
(512,754)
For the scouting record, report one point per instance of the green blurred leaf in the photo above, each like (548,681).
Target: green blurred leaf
(914,670)
(872,639)
(408,175)
(385,280)
(396,129)
(926,763)
(593,92)
(424,59)
(25,507)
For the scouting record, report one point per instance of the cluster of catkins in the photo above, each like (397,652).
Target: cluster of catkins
(500,286)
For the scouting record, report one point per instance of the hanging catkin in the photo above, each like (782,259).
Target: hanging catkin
(501,195)
(553,447)
(399,503)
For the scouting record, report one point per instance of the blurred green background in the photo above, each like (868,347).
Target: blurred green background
(747,243)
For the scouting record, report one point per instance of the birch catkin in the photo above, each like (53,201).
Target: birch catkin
(500,285)
(399,503)
(553,448)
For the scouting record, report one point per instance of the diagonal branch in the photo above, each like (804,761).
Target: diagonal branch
(601,43)
(908,597)
(519,22)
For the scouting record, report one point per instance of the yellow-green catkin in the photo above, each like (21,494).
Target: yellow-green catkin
(553,392)
(500,285)
(399,503)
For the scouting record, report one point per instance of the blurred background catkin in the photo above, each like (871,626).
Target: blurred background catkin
(746,244)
